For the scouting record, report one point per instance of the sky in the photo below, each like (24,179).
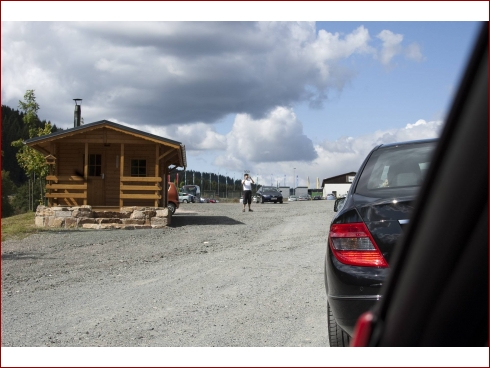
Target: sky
(282,98)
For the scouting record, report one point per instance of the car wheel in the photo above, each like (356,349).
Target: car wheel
(185,201)
(171,207)
(280,202)
(336,336)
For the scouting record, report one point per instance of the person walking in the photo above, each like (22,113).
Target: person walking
(247,192)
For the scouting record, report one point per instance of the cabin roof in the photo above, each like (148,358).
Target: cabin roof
(38,142)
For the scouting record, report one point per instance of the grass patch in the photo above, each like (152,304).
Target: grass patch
(19,226)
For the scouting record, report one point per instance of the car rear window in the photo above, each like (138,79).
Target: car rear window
(395,170)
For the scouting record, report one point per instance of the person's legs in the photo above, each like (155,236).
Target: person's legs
(247,198)
(244,201)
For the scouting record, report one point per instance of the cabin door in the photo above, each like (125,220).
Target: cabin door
(95,185)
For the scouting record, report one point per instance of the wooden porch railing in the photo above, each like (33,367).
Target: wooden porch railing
(69,188)
(140,184)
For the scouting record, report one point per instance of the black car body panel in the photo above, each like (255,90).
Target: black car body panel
(384,205)
(269,194)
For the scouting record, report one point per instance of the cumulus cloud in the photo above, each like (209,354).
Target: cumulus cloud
(278,137)
(166,73)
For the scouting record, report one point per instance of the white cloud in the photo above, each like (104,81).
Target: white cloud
(391,46)
(197,136)
(413,52)
(278,137)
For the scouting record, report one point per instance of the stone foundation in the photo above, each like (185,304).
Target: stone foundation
(86,218)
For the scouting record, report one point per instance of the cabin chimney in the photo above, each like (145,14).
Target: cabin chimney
(78,112)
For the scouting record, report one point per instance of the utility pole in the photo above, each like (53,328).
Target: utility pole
(294,183)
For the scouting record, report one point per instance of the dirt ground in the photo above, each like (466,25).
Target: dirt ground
(217,277)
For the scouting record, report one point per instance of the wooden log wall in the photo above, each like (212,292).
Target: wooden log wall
(71,157)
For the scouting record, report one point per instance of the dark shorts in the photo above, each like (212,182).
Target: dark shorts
(247,196)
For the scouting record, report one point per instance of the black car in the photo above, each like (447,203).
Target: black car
(364,232)
(269,194)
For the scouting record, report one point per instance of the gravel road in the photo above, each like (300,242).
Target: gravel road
(215,277)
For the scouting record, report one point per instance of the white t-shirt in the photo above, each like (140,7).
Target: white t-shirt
(247,184)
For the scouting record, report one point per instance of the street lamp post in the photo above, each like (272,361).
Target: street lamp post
(294,181)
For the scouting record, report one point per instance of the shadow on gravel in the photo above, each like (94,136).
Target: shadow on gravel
(20,256)
(178,221)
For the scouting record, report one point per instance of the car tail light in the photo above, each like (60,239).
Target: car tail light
(352,244)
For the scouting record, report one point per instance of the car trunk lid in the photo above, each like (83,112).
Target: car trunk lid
(386,220)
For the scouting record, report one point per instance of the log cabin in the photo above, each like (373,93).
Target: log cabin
(108,165)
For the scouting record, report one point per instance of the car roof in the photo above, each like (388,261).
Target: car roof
(395,144)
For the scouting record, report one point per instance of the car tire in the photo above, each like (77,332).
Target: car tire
(336,336)
(185,201)
(171,207)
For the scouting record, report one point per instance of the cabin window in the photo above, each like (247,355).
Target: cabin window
(138,167)
(94,165)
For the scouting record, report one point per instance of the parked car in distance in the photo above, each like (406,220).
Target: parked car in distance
(316,198)
(292,198)
(366,228)
(173,198)
(185,197)
(211,200)
(269,194)
(203,200)
(330,197)
(302,198)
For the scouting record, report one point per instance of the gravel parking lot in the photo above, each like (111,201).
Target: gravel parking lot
(215,277)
